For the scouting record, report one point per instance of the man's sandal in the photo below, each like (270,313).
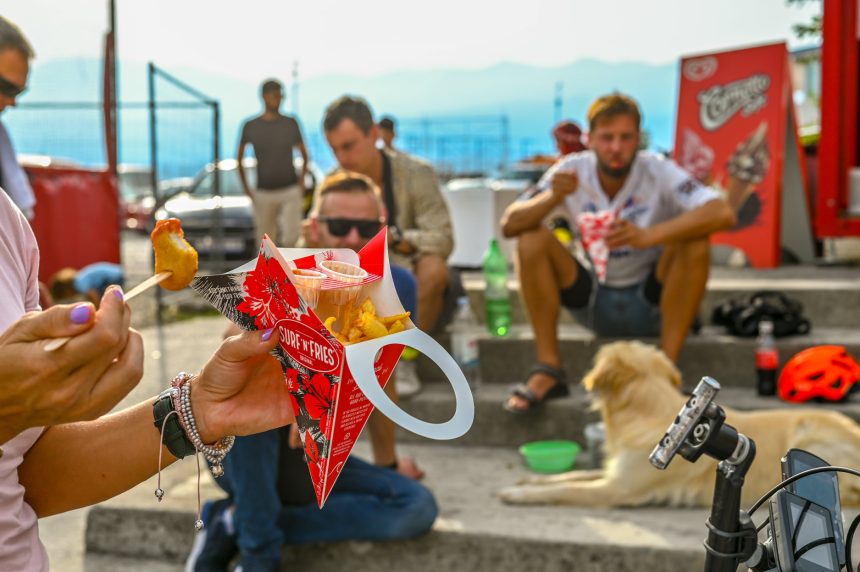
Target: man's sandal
(523,391)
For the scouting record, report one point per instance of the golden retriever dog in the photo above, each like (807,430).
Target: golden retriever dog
(636,389)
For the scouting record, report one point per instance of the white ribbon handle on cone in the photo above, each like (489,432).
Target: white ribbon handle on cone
(361,357)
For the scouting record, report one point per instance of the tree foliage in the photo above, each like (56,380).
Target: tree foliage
(811,29)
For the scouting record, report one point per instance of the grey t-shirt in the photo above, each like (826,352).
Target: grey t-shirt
(273,141)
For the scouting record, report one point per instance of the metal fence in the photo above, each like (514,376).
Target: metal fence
(455,146)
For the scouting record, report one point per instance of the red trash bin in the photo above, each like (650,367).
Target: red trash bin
(76,217)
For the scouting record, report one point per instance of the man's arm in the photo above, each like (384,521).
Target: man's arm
(433,232)
(303,176)
(240,155)
(521,216)
(713,216)
(528,215)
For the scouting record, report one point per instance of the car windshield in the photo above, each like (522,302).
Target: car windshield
(135,184)
(230,184)
(530,174)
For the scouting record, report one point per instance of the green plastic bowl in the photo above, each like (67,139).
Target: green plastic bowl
(550,456)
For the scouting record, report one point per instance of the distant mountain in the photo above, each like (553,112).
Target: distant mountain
(522,93)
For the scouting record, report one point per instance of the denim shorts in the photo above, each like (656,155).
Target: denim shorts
(629,311)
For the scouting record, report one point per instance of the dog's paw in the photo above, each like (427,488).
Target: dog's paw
(533,480)
(513,495)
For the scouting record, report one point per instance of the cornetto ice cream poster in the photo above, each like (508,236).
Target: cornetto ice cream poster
(731,134)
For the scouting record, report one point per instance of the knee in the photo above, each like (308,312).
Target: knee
(696,250)
(533,243)
(431,273)
(418,514)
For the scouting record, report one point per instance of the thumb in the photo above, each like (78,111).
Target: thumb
(55,322)
(247,345)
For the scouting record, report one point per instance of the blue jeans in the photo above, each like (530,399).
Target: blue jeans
(407,289)
(367,502)
(621,312)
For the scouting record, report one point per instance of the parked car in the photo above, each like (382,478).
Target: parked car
(198,207)
(136,201)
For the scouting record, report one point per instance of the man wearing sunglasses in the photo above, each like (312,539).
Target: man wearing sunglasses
(15,56)
(348,211)
(420,231)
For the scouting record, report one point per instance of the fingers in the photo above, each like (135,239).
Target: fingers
(55,322)
(294,440)
(247,345)
(118,380)
(95,351)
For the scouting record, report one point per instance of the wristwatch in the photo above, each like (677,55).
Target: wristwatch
(396,236)
(175,439)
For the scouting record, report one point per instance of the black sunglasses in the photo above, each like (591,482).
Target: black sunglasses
(340,227)
(9,89)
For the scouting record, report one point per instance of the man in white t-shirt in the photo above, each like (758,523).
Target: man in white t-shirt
(659,251)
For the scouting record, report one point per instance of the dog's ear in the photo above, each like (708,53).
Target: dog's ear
(619,363)
(611,369)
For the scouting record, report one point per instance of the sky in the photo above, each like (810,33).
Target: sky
(256,38)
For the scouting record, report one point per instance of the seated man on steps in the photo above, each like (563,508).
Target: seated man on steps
(659,250)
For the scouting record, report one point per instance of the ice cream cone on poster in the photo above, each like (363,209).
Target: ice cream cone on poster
(738,191)
(593,228)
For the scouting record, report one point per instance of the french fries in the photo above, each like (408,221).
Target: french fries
(362,324)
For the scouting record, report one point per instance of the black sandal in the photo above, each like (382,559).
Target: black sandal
(522,390)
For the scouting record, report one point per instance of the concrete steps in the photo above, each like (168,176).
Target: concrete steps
(712,352)
(830,296)
(474,532)
(564,418)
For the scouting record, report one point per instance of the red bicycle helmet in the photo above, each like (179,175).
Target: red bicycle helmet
(825,372)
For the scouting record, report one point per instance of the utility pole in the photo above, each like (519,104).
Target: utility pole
(112,80)
(295,86)
(557,103)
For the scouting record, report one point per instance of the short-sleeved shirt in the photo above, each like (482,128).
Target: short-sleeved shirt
(20,548)
(273,141)
(98,276)
(656,190)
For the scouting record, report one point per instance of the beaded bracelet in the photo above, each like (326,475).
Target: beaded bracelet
(180,393)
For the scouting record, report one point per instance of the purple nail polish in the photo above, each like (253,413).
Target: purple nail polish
(80,314)
(267,335)
(119,294)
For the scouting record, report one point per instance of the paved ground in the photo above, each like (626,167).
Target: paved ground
(185,345)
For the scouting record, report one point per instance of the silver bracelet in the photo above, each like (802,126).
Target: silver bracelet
(214,453)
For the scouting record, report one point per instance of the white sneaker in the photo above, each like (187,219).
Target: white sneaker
(406,377)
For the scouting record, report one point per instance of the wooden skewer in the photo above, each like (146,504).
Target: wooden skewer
(57,343)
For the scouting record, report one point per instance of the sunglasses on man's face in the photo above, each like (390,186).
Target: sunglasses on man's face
(340,227)
(9,89)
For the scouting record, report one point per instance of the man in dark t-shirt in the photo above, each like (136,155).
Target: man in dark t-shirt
(277,194)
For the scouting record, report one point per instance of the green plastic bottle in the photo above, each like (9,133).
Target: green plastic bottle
(496,300)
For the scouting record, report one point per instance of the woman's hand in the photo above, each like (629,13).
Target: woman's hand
(241,390)
(82,380)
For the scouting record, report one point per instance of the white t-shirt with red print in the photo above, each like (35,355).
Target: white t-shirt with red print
(656,190)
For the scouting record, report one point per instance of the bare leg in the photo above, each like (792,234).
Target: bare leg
(383,442)
(683,269)
(567,477)
(595,493)
(431,273)
(544,267)
(382,431)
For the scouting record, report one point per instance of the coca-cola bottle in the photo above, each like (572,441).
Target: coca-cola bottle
(766,359)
